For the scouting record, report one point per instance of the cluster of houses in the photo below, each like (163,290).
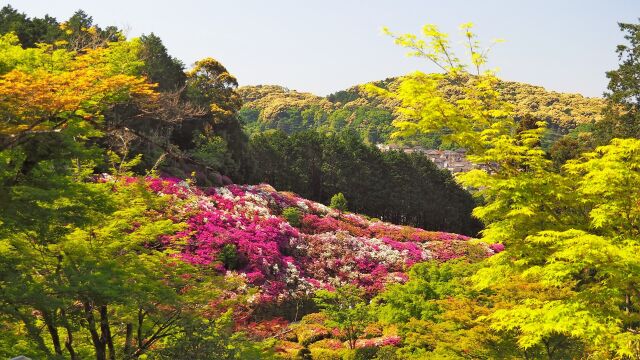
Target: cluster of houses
(452,160)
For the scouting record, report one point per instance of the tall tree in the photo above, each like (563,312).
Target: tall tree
(82,272)
(79,32)
(209,84)
(622,114)
(159,66)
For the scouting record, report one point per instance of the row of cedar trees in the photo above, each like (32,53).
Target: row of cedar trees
(393,186)
(193,128)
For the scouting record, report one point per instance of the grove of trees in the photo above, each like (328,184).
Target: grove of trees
(393,186)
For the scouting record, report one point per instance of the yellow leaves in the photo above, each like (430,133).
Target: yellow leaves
(43,98)
(490,276)
(217,111)
(40,98)
(436,47)
(8,40)
(466,26)
(571,236)
(478,59)
(373,89)
(439,38)
(465,110)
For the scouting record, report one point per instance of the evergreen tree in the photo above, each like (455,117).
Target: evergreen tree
(338,202)
(622,114)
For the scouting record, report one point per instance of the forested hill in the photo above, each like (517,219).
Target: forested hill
(275,107)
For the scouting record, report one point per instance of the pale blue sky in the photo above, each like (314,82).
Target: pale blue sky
(324,46)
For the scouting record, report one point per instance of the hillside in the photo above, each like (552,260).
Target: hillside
(287,246)
(281,249)
(275,107)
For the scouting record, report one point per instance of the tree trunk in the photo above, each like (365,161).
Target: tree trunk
(69,341)
(141,314)
(98,344)
(128,346)
(50,322)
(105,330)
(33,331)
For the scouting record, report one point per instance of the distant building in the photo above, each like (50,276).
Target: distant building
(452,160)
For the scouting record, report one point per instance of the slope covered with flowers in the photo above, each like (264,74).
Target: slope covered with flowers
(241,230)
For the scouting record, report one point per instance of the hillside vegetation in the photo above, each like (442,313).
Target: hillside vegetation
(275,107)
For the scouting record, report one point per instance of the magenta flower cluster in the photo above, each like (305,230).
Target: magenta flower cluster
(379,342)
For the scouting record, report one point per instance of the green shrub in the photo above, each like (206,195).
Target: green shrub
(229,257)
(292,215)
(338,202)
(327,354)
(387,353)
(366,353)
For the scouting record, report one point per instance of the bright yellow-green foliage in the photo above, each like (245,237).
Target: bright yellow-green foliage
(95,259)
(571,234)
(345,310)
(592,255)
(423,108)
(608,179)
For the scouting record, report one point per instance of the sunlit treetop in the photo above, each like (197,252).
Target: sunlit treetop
(474,117)
(436,46)
(211,84)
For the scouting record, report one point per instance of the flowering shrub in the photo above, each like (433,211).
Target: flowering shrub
(497,247)
(264,329)
(332,344)
(308,333)
(379,342)
(242,230)
(289,348)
